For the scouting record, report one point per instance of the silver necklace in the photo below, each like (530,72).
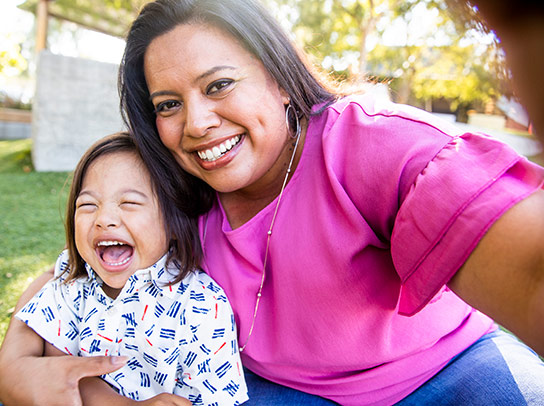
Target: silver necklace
(268,234)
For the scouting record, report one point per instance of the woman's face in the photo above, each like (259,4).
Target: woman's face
(217,109)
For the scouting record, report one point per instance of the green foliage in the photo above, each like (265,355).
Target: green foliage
(109,16)
(32,208)
(345,37)
(455,73)
(11,60)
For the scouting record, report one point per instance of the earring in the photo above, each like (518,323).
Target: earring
(289,109)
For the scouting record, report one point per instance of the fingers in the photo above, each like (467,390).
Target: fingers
(95,366)
(166,399)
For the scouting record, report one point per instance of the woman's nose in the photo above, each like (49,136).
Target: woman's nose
(200,118)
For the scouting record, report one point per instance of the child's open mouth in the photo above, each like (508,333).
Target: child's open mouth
(114,253)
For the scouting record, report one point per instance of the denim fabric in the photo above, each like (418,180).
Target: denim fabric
(496,370)
(265,393)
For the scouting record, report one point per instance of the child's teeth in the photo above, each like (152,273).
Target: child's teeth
(119,263)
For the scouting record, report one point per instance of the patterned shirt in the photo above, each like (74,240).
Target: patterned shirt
(179,338)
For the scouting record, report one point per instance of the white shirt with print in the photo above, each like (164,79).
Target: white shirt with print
(179,338)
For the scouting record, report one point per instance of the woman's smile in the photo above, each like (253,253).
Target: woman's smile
(219,156)
(222,115)
(213,154)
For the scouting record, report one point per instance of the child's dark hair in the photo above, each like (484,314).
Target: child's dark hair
(184,246)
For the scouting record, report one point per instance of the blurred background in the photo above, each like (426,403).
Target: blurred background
(58,74)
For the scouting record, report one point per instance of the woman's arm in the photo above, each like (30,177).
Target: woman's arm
(29,378)
(504,276)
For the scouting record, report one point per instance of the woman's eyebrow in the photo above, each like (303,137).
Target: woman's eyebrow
(213,70)
(209,72)
(162,93)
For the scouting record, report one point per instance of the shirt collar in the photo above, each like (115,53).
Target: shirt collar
(158,274)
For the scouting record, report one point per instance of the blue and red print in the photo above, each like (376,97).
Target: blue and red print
(179,338)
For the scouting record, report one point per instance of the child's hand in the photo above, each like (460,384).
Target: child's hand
(165,399)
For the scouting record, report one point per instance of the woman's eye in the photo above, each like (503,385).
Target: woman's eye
(219,85)
(167,106)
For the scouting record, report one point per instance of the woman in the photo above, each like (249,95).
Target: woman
(340,228)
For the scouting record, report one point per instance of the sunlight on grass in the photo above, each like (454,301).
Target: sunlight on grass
(15,156)
(32,209)
(15,275)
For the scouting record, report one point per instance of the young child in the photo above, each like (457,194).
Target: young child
(126,286)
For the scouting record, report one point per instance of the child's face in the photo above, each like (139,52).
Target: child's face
(118,222)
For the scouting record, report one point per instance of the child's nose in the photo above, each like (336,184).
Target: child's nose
(107,218)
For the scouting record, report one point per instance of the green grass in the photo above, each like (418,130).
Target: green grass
(31,223)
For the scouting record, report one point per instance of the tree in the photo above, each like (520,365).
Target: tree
(338,32)
(112,17)
(348,38)
(11,61)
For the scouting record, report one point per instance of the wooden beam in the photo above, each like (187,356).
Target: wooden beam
(15,115)
(42,17)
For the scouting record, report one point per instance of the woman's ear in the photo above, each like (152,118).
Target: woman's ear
(285,99)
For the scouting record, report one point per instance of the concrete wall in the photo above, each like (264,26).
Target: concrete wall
(76,103)
(491,121)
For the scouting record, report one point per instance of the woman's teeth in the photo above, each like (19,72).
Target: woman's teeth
(218,151)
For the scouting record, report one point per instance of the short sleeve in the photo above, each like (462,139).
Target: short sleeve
(211,364)
(51,312)
(462,191)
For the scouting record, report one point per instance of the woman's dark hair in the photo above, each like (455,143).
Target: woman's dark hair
(182,232)
(255,29)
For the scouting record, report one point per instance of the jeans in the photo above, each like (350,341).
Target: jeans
(495,370)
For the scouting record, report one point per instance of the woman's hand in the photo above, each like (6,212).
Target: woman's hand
(95,391)
(50,381)
(165,399)
(29,378)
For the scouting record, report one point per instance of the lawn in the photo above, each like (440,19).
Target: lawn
(31,222)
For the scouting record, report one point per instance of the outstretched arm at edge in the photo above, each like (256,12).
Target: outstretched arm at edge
(504,275)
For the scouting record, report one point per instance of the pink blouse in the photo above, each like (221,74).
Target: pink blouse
(386,203)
